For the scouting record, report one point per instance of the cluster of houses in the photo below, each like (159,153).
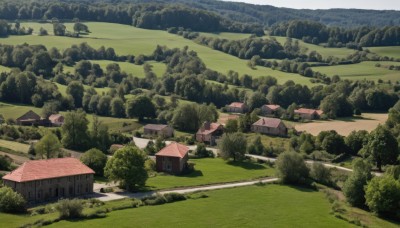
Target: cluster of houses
(31,118)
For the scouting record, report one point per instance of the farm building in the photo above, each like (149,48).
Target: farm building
(209,132)
(271,110)
(56,120)
(237,107)
(308,114)
(51,179)
(31,118)
(270,126)
(158,130)
(172,158)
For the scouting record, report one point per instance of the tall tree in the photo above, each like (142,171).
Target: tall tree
(76,90)
(291,168)
(96,160)
(75,130)
(140,107)
(354,186)
(48,147)
(233,146)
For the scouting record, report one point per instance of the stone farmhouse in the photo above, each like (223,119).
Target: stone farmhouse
(270,126)
(172,158)
(158,130)
(209,132)
(308,114)
(271,110)
(237,107)
(45,180)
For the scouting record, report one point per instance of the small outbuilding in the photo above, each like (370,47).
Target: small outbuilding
(56,120)
(237,107)
(271,110)
(172,158)
(29,118)
(161,130)
(270,126)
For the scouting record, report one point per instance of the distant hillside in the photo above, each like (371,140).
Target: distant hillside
(269,15)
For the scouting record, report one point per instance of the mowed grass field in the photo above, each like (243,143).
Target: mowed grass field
(360,71)
(127,39)
(211,170)
(344,126)
(16,146)
(391,51)
(253,206)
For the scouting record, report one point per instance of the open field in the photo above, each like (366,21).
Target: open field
(361,71)
(129,68)
(344,126)
(63,89)
(392,51)
(127,39)
(254,206)
(14,145)
(15,111)
(226,35)
(212,170)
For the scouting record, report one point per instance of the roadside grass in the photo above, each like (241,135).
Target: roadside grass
(360,71)
(127,39)
(252,206)
(391,51)
(211,171)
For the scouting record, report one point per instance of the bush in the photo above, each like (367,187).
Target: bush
(173,197)
(202,152)
(70,209)
(11,202)
(321,174)
(154,200)
(291,168)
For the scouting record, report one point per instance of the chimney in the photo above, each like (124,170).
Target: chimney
(207,125)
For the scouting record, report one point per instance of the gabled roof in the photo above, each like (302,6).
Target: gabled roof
(237,104)
(273,107)
(268,122)
(212,129)
(30,115)
(308,111)
(54,117)
(155,127)
(47,169)
(174,150)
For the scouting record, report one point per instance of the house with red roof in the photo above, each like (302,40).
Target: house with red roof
(237,107)
(172,158)
(158,130)
(209,132)
(308,114)
(51,179)
(271,110)
(270,126)
(56,120)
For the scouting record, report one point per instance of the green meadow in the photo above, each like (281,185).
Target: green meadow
(386,51)
(361,71)
(127,39)
(210,171)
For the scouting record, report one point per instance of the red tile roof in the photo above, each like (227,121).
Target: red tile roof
(308,111)
(268,122)
(273,107)
(237,104)
(155,127)
(213,128)
(47,169)
(174,150)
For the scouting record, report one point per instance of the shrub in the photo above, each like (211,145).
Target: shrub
(291,168)
(70,209)
(321,174)
(11,202)
(154,200)
(173,197)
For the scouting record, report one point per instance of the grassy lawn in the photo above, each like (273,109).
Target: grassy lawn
(14,146)
(226,35)
(15,111)
(212,170)
(361,71)
(393,51)
(253,206)
(127,39)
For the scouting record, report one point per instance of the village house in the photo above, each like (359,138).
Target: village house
(44,180)
(237,107)
(271,110)
(56,120)
(172,158)
(31,118)
(209,132)
(308,114)
(158,130)
(270,126)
